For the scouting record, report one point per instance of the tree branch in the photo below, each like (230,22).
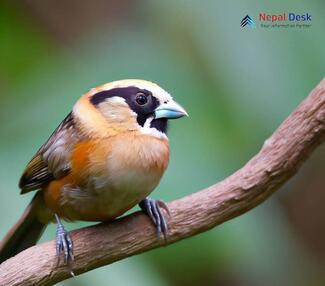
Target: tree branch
(279,159)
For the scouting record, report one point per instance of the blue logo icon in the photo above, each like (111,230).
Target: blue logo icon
(247,21)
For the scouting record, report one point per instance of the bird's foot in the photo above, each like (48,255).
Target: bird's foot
(63,244)
(153,209)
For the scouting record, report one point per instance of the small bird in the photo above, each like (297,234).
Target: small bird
(105,157)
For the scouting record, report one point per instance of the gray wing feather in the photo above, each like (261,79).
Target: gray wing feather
(52,161)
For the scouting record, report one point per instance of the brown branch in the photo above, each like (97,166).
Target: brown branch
(95,246)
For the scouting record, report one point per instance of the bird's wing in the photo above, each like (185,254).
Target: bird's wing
(52,161)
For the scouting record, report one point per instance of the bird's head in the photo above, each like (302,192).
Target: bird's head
(130,104)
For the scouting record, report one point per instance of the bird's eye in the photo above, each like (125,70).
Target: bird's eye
(141,99)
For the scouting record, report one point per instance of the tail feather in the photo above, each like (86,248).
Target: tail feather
(26,232)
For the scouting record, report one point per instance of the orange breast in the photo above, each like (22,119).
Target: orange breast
(108,177)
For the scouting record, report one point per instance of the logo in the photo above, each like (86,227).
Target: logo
(284,17)
(278,21)
(247,21)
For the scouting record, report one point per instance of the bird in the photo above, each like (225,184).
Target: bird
(107,156)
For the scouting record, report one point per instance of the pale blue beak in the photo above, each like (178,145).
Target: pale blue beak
(170,110)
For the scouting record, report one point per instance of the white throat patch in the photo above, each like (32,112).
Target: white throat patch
(146,129)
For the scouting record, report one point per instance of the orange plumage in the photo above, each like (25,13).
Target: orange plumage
(105,157)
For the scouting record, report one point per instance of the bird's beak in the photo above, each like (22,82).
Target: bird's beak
(170,110)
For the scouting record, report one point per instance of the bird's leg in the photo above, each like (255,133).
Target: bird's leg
(153,209)
(63,243)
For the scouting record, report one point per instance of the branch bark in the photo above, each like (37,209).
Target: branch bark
(278,160)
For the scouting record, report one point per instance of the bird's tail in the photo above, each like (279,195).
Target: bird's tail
(26,232)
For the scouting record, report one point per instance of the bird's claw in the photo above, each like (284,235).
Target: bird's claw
(64,244)
(153,209)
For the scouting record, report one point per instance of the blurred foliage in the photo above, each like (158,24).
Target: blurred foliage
(237,84)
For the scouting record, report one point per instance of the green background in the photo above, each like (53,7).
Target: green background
(237,84)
